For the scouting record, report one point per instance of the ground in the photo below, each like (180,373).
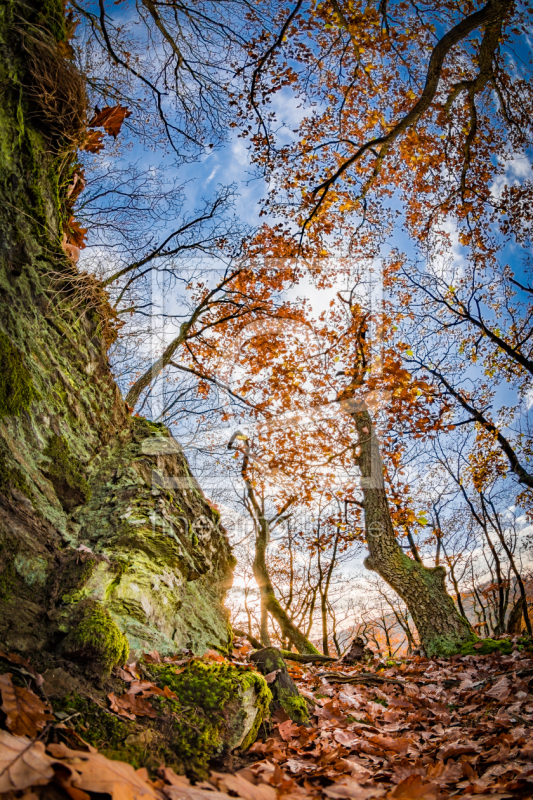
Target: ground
(399,730)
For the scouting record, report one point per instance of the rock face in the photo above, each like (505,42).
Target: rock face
(95,506)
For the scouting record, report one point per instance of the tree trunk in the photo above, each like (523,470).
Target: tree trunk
(268,597)
(441,629)
(101,523)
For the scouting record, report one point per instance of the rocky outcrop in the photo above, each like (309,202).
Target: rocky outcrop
(95,506)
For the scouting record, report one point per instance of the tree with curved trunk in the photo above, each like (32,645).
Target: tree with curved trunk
(441,628)
(263,527)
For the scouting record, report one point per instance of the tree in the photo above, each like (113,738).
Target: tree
(413,115)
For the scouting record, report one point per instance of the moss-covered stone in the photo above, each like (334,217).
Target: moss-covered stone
(96,639)
(17,391)
(218,707)
(285,693)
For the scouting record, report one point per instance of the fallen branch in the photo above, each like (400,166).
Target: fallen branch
(253,641)
(306,658)
(362,677)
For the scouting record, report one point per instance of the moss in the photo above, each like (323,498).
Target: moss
(12,478)
(504,646)
(207,709)
(101,729)
(97,638)
(69,484)
(446,648)
(8,581)
(295,706)
(77,594)
(17,392)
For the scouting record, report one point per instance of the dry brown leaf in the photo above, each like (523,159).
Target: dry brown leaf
(26,715)
(243,788)
(192,793)
(23,763)
(348,788)
(414,788)
(136,687)
(93,772)
(110,118)
(130,706)
(501,690)
(94,142)
(152,657)
(213,655)
(271,677)
(388,743)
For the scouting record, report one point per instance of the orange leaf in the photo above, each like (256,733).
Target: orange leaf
(94,142)
(26,715)
(110,119)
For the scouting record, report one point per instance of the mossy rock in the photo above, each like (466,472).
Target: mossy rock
(95,640)
(17,391)
(219,708)
(285,693)
(70,486)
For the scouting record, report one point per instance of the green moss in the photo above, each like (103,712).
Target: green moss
(295,706)
(207,709)
(77,594)
(504,646)
(17,392)
(97,638)
(12,478)
(69,484)
(8,581)
(110,735)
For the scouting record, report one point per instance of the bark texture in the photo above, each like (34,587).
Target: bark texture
(441,628)
(98,510)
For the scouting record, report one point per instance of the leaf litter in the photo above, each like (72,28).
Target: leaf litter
(413,730)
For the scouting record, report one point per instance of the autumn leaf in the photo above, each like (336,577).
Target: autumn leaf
(26,715)
(94,142)
(501,690)
(75,233)
(92,772)
(352,790)
(413,788)
(110,118)
(130,706)
(23,763)
(213,655)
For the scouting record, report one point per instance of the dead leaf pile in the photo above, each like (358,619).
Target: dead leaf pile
(419,730)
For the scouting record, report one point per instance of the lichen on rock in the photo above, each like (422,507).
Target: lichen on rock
(17,391)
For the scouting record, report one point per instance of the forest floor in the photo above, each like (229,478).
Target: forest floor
(414,729)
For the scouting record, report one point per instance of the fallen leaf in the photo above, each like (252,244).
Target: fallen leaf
(93,772)
(23,763)
(213,655)
(414,788)
(388,743)
(271,677)
(351,789)
(130,706)
(26,715)
(501,690)
(243,788)
(152,658)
